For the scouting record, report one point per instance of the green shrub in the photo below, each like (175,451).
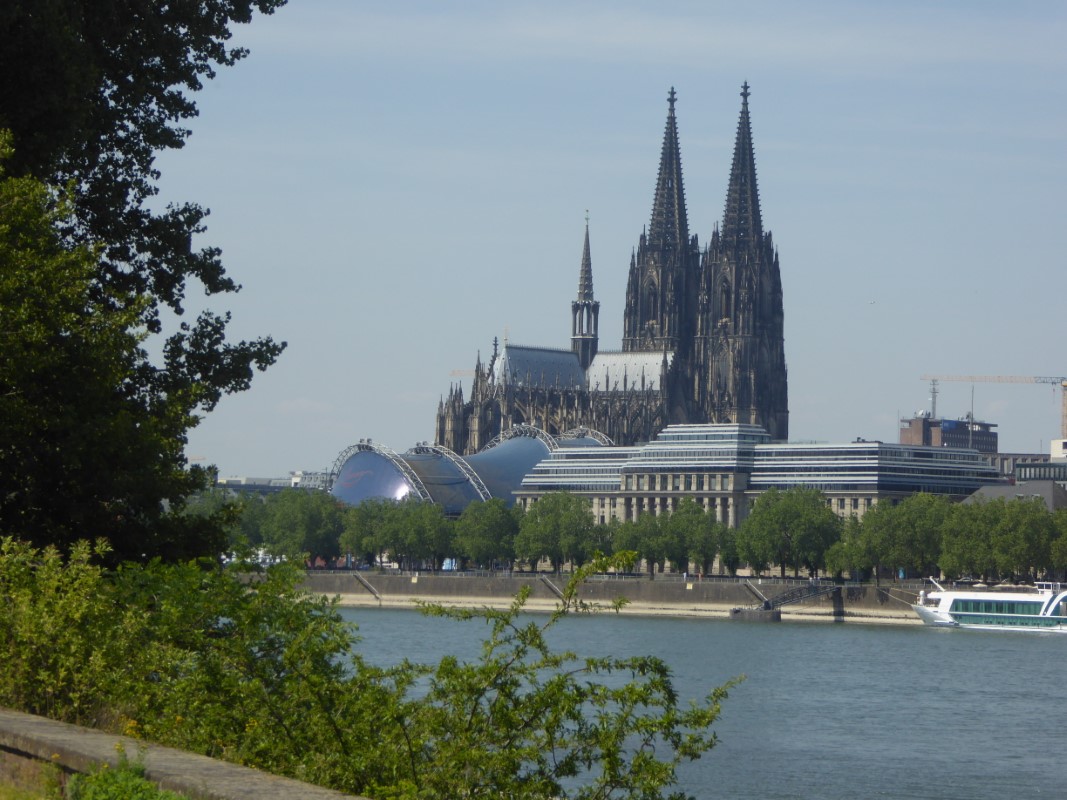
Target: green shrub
(124,782)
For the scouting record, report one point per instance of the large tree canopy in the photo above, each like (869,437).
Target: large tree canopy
(81,453)
(91,91)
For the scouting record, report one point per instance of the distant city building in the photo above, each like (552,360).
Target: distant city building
(261,485)
(1041,471)
(300,479)
(723,467)
(726,467)
(1010,464)
(703,338)
(924,429)
(1051,493)
(308,479)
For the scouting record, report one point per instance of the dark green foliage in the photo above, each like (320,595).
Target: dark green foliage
(928,535)
(83,451)
(698,533)
(559,528)
(298,522)
(91,91)
(485,533)
(246,667)
(794,528)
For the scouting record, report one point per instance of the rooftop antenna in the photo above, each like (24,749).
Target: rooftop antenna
(970,427)
(933,398)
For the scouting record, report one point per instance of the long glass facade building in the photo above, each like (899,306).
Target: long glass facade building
(723,467)
(726,467)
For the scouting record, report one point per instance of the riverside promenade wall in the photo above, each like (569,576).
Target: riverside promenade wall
(669,595)
(35,750)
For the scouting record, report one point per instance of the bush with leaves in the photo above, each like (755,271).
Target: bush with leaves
(245,666)
(127,781)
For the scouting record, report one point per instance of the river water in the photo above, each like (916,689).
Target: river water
(826,710)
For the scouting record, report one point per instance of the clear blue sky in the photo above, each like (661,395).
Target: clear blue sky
(395,184)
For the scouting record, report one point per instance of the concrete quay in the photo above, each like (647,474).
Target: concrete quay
(666,595)
(32,748)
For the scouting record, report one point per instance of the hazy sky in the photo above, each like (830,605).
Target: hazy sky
(395,184)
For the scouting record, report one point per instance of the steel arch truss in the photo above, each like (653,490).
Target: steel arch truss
(523,429)
(587,433)
(368,446)
(459,463)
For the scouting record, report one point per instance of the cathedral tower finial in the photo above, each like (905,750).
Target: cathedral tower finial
(742,223)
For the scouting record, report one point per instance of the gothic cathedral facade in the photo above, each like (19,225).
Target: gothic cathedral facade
(703,332)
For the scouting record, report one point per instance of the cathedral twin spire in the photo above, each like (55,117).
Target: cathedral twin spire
(742,223)
(670,226)
(713,321)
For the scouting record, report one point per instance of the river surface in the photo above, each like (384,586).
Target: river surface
(825,710)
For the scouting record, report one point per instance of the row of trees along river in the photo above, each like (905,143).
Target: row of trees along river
(793,531)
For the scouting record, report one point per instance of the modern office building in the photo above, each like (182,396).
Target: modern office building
(723,467)
(924,428)
(726,467)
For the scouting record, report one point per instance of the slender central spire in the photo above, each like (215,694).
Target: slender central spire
(585,276)
(669,227)
(742,223)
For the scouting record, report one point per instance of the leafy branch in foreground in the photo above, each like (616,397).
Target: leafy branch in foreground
(248,667)
(524,721)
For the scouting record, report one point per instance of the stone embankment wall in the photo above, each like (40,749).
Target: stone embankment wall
(33,748)
(664,595)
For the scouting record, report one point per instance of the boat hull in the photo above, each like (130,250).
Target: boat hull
(931,615)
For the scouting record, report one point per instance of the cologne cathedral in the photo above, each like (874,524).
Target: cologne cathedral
(702,339)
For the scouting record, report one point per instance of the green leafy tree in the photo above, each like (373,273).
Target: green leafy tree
(873,547)
(82,450)
(643,536)
(915,536)
(762,539)
(967,540)
(701,533)
(91,92)
(253,514)
(363,534)
(298,522)
(627,537)
(848,553)
(674,533)
(558,527)
(431,534)
(729,553)
(220,505)
(1058,546)
(485,533)
(793,528)
(1023,539)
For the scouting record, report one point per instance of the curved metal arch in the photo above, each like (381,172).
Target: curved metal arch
(472,476)
(587,433)
(523,429)
(368,446)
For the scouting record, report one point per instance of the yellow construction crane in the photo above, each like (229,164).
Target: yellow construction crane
(1055,381)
